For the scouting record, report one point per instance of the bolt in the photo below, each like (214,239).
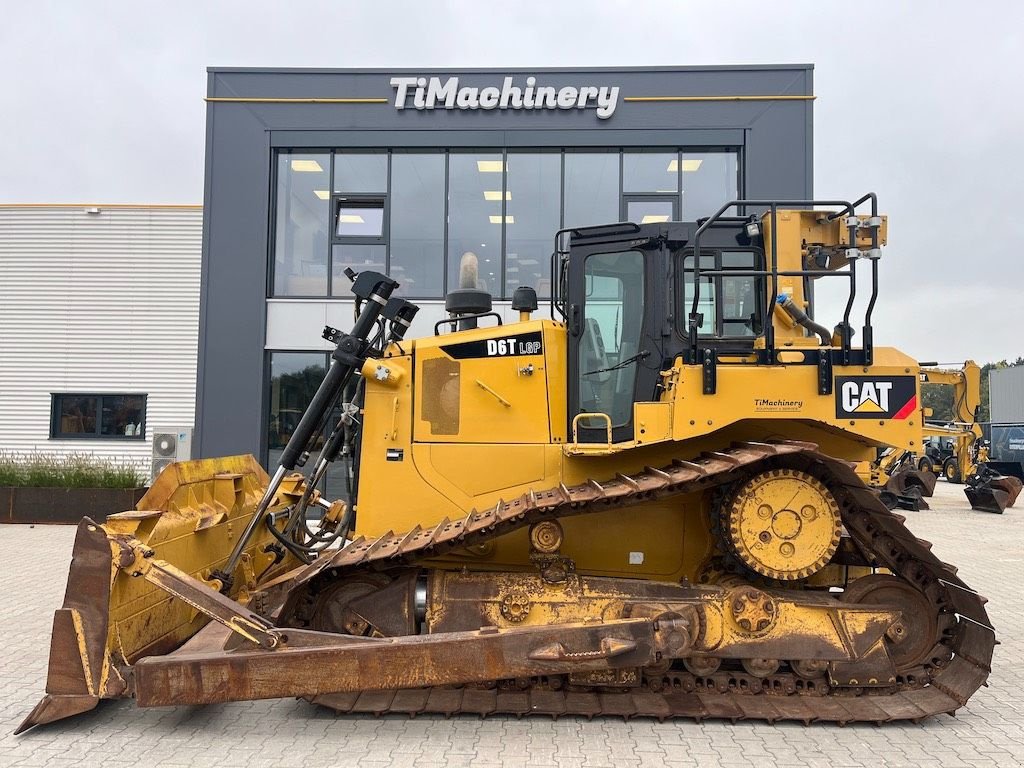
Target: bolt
(745,623)
(768,607)
(765,536)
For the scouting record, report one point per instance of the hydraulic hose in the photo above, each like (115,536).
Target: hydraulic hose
(800,318)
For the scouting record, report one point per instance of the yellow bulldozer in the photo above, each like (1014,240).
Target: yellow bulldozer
(643,506)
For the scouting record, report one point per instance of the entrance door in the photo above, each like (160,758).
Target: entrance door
(650,209)
(614,358)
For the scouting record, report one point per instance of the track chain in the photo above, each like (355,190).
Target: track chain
(958,665)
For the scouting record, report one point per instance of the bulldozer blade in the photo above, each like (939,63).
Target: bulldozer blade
(901,482)
(77,675)
(109,619)
(987,498)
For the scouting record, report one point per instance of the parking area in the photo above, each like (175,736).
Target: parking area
(988,549)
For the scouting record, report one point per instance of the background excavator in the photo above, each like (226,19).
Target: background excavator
(957,449)
(643,506)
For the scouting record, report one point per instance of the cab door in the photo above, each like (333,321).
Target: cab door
(614,346)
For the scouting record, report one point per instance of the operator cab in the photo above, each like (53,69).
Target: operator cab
(626,289)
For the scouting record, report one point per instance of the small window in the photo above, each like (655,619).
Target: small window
(359,218)
(98,417)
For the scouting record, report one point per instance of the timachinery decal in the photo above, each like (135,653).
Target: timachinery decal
(875,397)
(505,346)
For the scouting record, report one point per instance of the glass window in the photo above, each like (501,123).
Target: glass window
(532,197)
(359,258)
(294,379)
(648,211)
(98,416)
(706,302)
(650,172)
(591,188)
(739,311)
(121,415)
(613,317)
(360,172)
(359,218)
(417,224)
(710,179)
(731,305)
(303,210)
(475,191)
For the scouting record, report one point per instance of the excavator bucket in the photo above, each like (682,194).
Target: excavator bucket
(907,488)
(986,498)
(993,493)
(110,618)
(1009,485)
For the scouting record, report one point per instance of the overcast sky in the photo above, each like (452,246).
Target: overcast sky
(919,101)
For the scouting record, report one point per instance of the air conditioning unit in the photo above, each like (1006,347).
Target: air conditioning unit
(169,447)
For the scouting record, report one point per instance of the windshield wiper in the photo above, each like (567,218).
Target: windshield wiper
(622,364)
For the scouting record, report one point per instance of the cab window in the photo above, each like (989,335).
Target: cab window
(730,304)
(610,340)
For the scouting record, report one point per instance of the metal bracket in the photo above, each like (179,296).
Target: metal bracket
(824,372)
(137,560)
(709,371)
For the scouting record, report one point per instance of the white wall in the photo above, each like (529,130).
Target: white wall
(102,302)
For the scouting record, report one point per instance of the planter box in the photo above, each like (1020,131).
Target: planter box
(64,505)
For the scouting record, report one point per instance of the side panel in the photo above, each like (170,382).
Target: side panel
(859,407)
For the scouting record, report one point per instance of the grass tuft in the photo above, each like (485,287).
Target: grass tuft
(73,470)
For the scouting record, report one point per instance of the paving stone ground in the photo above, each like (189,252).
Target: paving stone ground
(989,549)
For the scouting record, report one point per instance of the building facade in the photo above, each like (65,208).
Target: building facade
(99,324)
(311,172)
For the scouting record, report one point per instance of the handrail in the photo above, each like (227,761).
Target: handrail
(773,206)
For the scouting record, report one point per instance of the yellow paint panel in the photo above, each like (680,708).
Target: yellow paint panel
(478,469)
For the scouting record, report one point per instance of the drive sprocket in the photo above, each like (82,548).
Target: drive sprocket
(783,524)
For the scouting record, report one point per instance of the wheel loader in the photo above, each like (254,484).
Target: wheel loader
(642,506)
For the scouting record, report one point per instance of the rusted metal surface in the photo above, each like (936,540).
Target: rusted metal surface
(993,493)
(901,482)
(79,674)
(387,663)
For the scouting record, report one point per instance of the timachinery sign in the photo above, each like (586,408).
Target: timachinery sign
(437,93)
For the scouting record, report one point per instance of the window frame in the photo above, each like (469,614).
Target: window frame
(505,152)
(761,285)
(56,399)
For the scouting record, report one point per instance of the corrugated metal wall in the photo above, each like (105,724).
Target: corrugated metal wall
(1006,394)
(102,302)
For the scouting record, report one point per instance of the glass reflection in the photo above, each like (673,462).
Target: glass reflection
(360,258)
(303,210)
(533,189)
(417,224)
(294,378)
(650,172)
(474,220)
(710,179)
(591,188)
(360,172)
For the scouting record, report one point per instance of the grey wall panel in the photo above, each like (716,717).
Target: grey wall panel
(229,391)
(1006,395)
